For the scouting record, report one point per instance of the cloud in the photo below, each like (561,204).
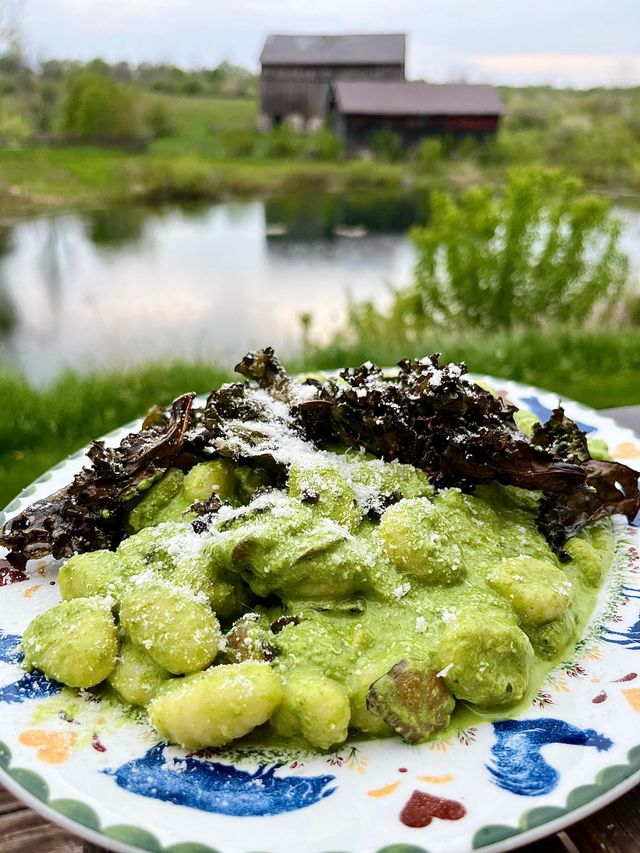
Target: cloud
(581,69)
(579,42)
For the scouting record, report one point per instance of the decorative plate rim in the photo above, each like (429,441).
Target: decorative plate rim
(532,825)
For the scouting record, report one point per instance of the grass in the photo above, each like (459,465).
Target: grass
(599,368)
(34,180)
(197,119)
(38,427)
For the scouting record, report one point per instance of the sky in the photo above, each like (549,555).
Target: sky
(562,42)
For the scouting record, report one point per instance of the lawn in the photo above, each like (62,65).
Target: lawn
(197,120)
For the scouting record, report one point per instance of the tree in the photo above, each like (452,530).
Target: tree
(99,109)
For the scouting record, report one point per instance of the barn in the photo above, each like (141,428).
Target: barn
(358,109)
(298,69)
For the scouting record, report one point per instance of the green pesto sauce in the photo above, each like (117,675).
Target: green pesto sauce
(364,567)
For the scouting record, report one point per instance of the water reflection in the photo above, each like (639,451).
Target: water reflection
(129,285)
(124,286)
(116,228)
(326,217)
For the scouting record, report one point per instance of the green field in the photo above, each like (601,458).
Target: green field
(198,120)
(213,151)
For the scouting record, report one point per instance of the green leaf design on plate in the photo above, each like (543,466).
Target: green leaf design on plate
(543,814)
(611,776)
(75,810)
(15,503)
(134,836)
(582,795)
(31,782)
(492,834)
(5,755)
(402,848)
(190,848)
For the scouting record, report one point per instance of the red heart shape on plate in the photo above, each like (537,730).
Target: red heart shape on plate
(421,808)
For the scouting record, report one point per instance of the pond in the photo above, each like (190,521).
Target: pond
(122,286)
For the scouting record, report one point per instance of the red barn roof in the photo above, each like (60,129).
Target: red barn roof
(356,49)
(404,98)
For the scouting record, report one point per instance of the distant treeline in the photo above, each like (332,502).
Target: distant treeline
(223,80)
(210,114)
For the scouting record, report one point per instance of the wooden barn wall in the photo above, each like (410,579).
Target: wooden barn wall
(291,89)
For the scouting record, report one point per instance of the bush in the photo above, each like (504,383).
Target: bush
(430,153)
(542,252)
(179,179)
(99,109)
(281,143)
(158,120)
(387,146)
(14,129)
(325,146)
(237,142)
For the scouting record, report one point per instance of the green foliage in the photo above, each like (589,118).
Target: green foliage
(184,178)
(14,129)
(324,146)
(98,109)
(158,119)
(238,142)
(600,367)
(52,422)
(387,146)
(430,153)
(280,143)
(543,250)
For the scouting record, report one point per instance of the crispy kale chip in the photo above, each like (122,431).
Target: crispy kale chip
(609,487)
(89,513)
(429,415)
(461,435)
(434,418)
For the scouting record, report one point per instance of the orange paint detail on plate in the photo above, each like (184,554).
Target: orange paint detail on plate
(31,590)
(437,779)
(383,792)
(627,450)
(633,697)
(53,747)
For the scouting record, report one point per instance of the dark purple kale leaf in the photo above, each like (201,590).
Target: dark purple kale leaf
(461,435)
(89,513)
(609,487)
(434,418)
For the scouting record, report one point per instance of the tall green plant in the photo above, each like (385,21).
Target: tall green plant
(99,109)
(541,251)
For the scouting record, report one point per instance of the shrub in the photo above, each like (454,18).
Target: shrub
(281,143)
(543,250)
(99,109)
(430,153)
(158,120)
(237,142)
(325,146)
(180,179)
(387,146)
(14,129)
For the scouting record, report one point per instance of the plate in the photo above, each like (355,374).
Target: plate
(492,787)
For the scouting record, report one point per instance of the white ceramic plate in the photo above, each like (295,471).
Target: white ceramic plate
(494,787)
